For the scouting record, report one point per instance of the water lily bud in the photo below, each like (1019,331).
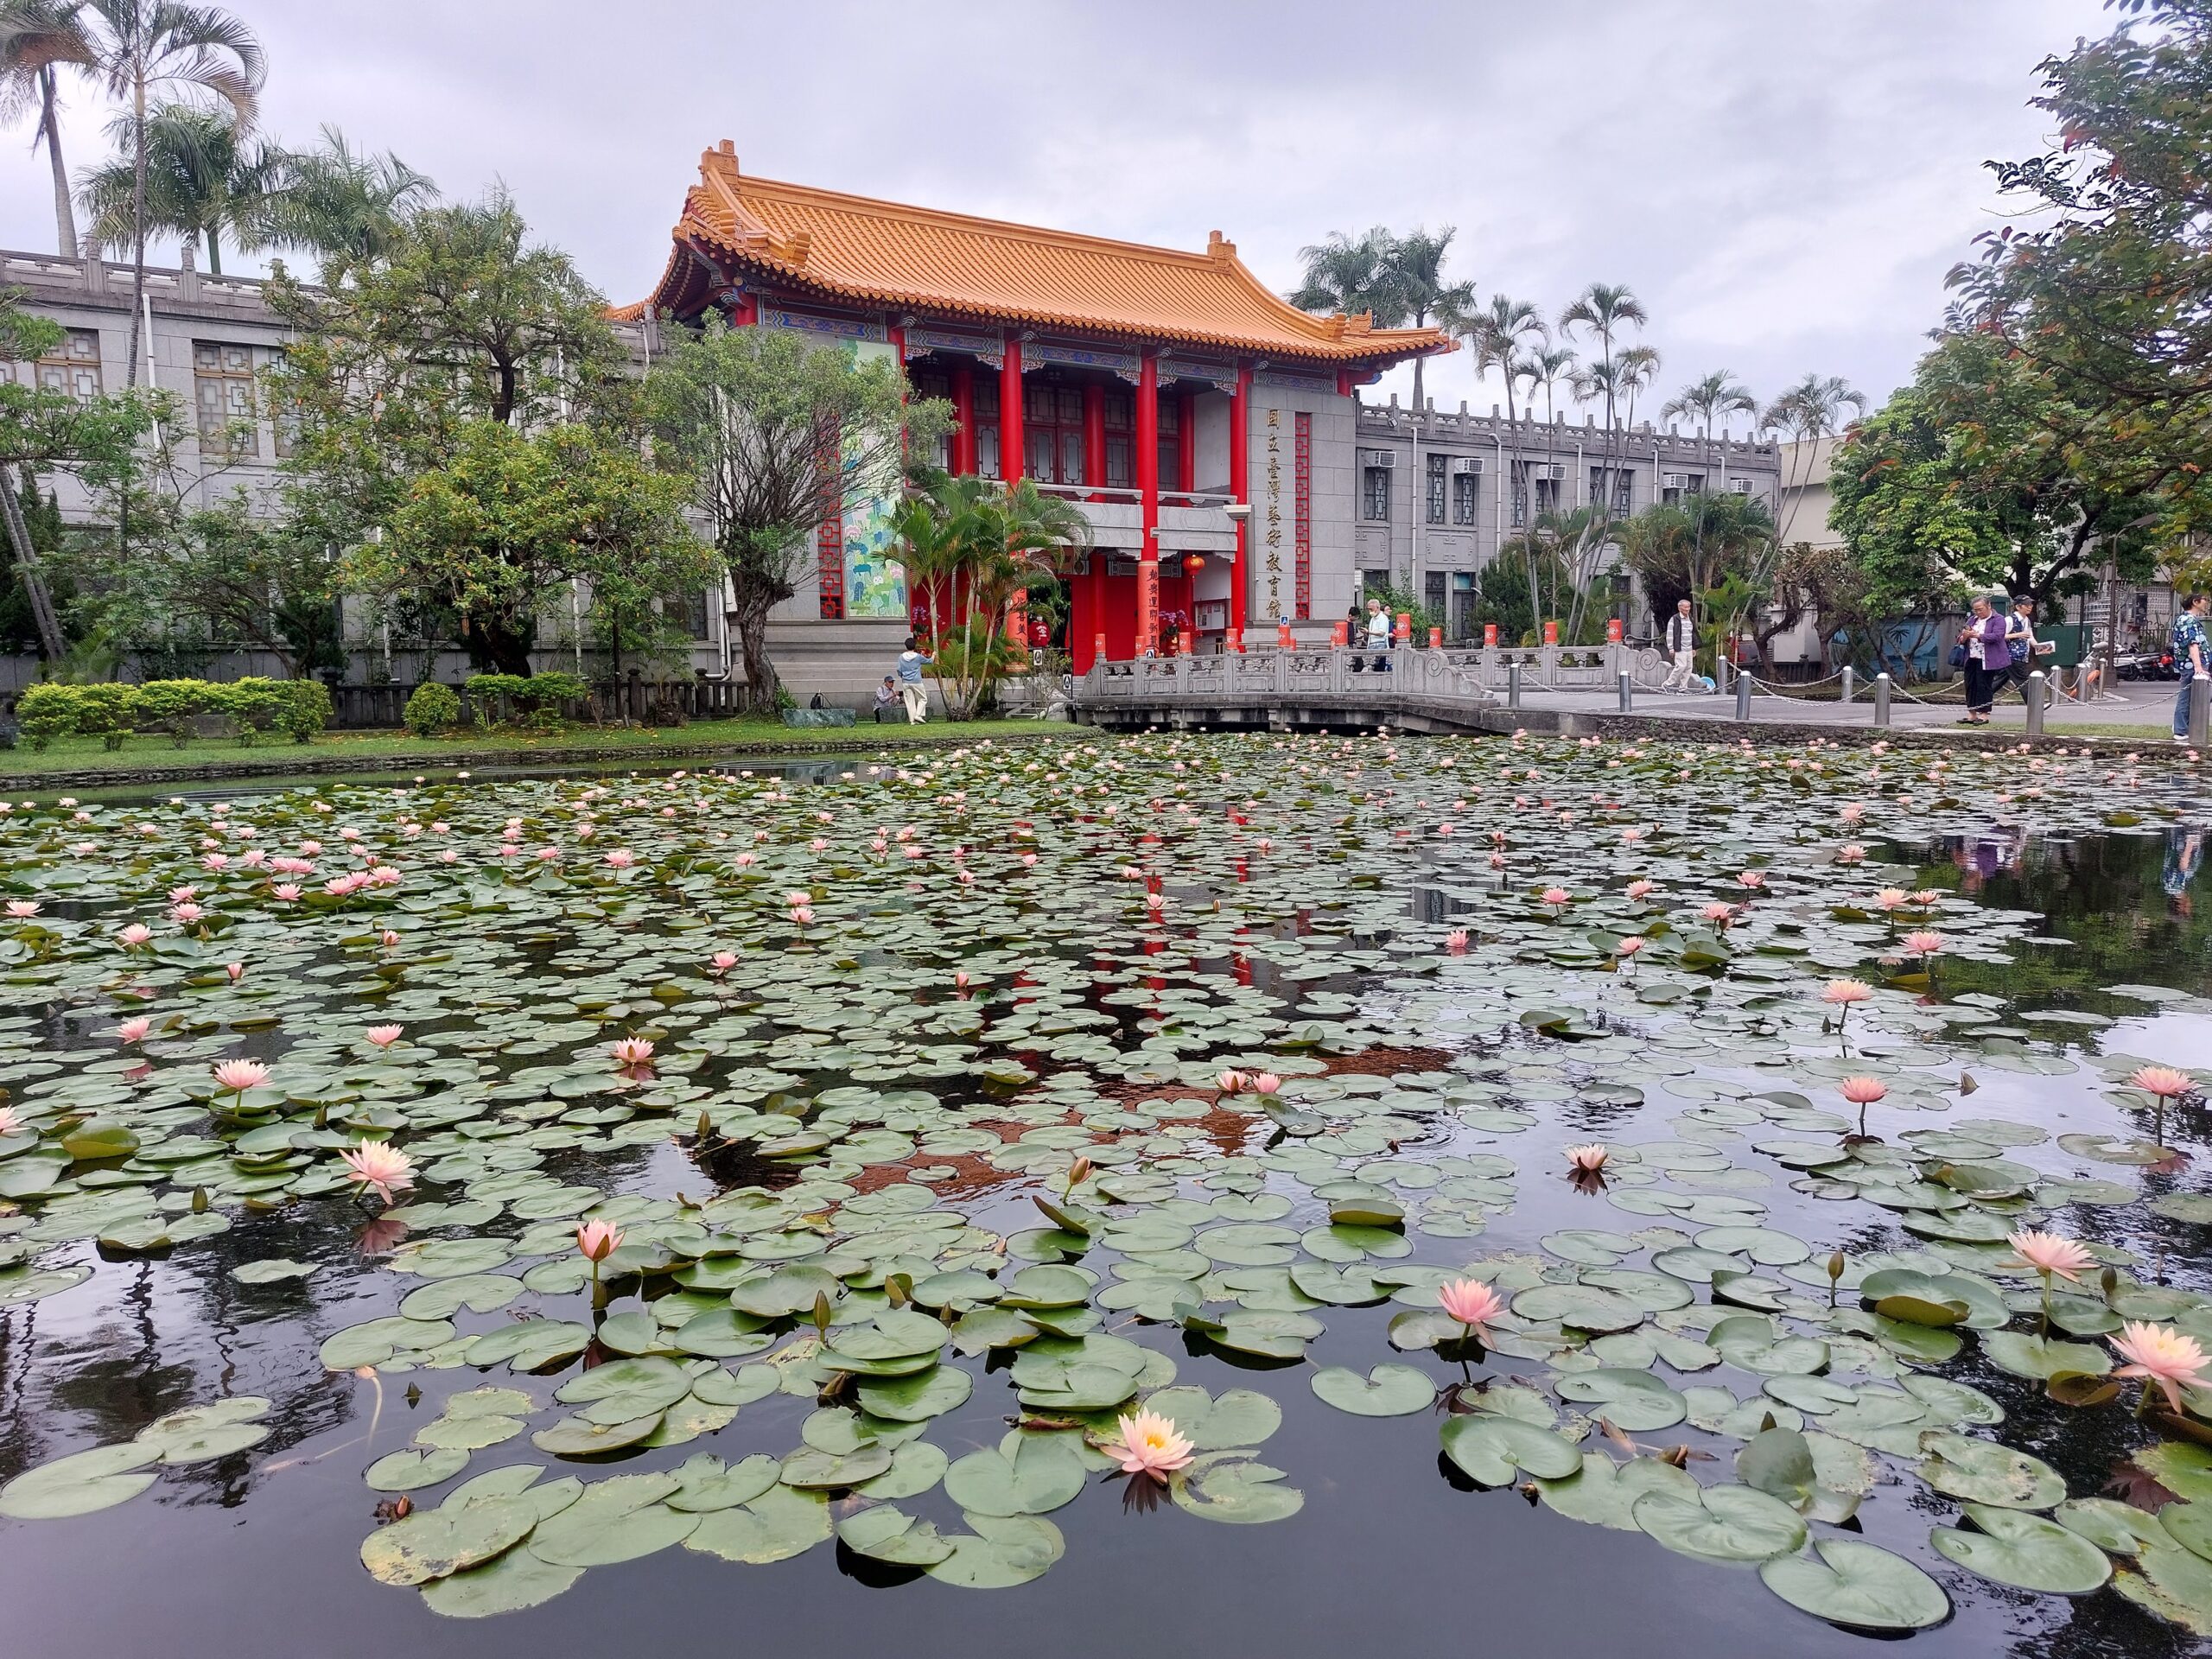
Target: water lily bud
(1079,1171)
(198,1200)
(821,1312)
(1835,1266)
(2108,1281)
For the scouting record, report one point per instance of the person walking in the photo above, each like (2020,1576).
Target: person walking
(1986,659)
(1378,635)
(912,691)
(1682,647)
(2020,640)
(2192,655)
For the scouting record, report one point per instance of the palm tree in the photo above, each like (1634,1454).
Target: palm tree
(202,180)
(1413,269)
(1606,309)
(1709,399)
(38,37)
(1808,411)
(142,49)
(1497,333)
(343,204)
(1351,277)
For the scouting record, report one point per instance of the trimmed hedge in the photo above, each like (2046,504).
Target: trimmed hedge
(111,712)
(433,709)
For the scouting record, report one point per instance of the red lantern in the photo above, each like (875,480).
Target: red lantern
(1193,563)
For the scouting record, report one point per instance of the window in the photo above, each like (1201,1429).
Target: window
(72,367)
(1120,451)
(1170,442)
(1375,494)
(1432,595)
(1520,494)
(1675,486)
(1623,483)
(1546,496)
(986,394)
(222,381)
(1463,605)
(1052,447)
(1466,498)
(1436,481)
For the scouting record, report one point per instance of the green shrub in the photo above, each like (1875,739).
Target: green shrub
(307,709)
(536,697)
(107,710)
(251,706)
(172,706)
(433,709)
(545,690)
(45,712)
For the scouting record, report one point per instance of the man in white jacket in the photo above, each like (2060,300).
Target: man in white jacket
(1682,646)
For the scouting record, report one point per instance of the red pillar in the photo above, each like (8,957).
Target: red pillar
(1010,415)
(1186,442)
(1094,436)
(1148,442)
(963,410)
(1240,463)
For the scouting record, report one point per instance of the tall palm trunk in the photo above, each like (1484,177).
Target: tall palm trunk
(138,227)
(50,125)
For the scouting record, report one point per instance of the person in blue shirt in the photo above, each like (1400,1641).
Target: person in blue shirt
(2192,655)
(915,696)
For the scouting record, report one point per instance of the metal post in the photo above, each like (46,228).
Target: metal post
(1513,685)
(1849,683)
(2200,712)
(1628,702)
(1881,699)
(1742,696)
(1720,672)
(2033,693)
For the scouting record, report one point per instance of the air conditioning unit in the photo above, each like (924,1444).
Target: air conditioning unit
(1467,466)
(1740,486)
(1552,471)
(1672,480)
(1386,459)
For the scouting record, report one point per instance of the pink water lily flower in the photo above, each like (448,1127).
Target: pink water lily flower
(1264,1083)
(1589,1160)
(598,1240)
(384,1036)
(2164,1081)
(1638,889)
(1230,1083)
(1149,1445)
(378,1166)
(241,1075)
(1557,896)
(22,909)
(12,1121)
(234,970)
(2163,1357)
(2050,1253)
(621,859)
(632,1051)
(1848,991)
(133,1029)
(1921,944)
(723,961)
(1456,941)
(285,892)
(1472,1303)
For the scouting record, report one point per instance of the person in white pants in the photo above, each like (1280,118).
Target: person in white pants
(912,691)
(1682,645)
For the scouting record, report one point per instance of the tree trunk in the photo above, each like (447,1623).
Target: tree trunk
(759,672)
(64,217)
(51,645)
(502,644)
(138,230)
(214,252)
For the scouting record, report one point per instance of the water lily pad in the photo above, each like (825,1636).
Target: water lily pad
(80,1484)
(431,1543)
(1983,1471)
(410,1471)
(1489,1449)
(1861,1586)
(1042,1474)
(1722,1523)
(2024,1551)
(1000,1553)
(780,1523)
(618,1519)
(1385,1391)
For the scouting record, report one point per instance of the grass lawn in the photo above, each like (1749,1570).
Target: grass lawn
(338,751)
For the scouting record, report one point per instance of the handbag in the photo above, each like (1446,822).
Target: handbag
(1959,655)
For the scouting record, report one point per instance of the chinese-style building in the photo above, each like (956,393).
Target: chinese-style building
(1204,426)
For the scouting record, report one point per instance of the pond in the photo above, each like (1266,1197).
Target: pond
(943,1115)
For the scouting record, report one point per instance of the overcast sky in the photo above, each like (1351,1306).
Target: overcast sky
(1782,185)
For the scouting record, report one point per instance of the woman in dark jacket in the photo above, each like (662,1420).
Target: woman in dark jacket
(1987,658)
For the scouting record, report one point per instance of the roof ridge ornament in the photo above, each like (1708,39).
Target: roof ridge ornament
(1220,248)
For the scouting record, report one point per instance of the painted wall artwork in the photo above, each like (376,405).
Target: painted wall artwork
(875,584)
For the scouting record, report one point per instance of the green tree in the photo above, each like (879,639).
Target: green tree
(2107,291)
(1413,272)
(1805,415)
(343,204)
(203,180)
(775,432)
(512,517)
(1498,334)
(461,320)
(42,427)
(1709,400)
(1350,275)
(140,49)
(38,38)
(1961,484)
(1715,549)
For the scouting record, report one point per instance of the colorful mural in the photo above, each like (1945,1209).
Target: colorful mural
(875,584)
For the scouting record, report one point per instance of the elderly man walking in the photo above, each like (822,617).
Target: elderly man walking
(1682,647)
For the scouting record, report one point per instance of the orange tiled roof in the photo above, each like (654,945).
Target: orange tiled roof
(858,249)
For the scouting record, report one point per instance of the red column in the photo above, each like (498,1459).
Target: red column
(744,311)
(1343,383)
(1240,463)
(963,410)
(1010,415)
(1094,436)
(1186,442)
(1148,442)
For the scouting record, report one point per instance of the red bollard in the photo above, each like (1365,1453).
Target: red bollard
(1283,641)
(1340,634)
(1612,630)
(1436,639)
(1490,636)
(1551,633)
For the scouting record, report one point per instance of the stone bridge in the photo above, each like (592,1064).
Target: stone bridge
(1307,687)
